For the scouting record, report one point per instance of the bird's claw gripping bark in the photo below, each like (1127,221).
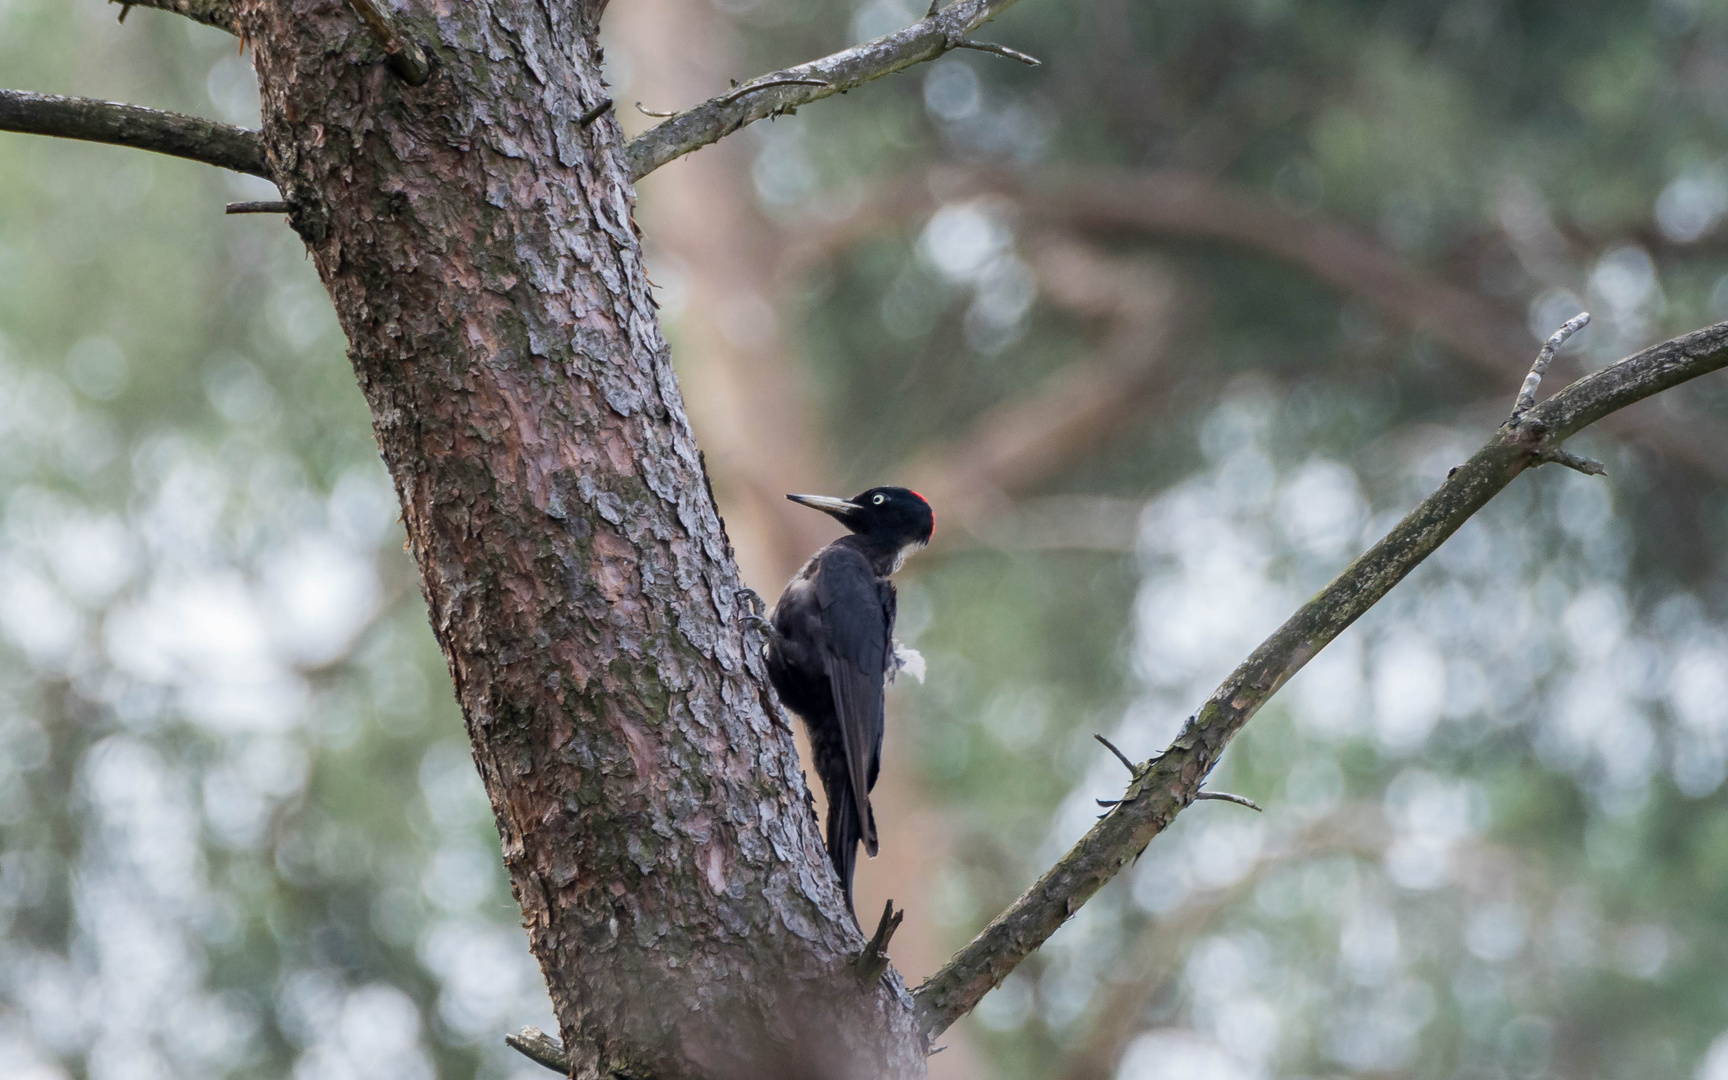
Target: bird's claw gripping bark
(755,611)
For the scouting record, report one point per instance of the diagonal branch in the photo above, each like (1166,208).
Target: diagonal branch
(784,90)
(222,14)
(130,125)
(1170,782)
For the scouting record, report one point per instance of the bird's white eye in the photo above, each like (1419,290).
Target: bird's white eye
(879,500)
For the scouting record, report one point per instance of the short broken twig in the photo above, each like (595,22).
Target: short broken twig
(1225,796)
(405,58)
(1557,456)
(594,114)
(269,206)
(1527,393)
(1002,50)
(873,961)
(541,1048)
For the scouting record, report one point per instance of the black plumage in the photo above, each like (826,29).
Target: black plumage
(832,650)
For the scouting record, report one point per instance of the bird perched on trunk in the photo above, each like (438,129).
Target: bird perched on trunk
(831,650)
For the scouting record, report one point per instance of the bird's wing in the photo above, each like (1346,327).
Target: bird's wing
(858,625)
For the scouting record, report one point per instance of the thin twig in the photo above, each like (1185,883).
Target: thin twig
(265,207)
(1133,769)
(763,84)
(1225,796)
(110,122)
(646,111)
(401,52)
(541,1048)
(1002,50)
(595,113)
(1527,393)
(1155,798)
(936,33)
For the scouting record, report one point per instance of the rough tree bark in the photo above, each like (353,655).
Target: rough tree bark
(478,244)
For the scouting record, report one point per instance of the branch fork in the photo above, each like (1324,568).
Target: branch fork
(1534,433)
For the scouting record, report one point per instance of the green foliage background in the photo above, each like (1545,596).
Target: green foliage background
(239,833)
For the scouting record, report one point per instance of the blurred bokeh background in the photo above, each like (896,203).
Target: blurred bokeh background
(1168,328)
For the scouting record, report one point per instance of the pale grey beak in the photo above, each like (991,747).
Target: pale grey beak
(826,503)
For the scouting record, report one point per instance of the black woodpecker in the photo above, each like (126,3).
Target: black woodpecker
(831,650)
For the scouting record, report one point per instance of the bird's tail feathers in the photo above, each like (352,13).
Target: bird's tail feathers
(843,840)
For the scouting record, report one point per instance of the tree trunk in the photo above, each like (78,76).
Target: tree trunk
(478,245)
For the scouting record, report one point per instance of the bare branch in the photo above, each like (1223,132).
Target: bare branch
(540,1048)
(1527,393)
(785,90)
(222,14)
(265,207)
(1161,791)
(595,113)
(405,57)
(129,125)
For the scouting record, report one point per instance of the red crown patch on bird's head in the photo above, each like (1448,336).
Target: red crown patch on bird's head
(926,502)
